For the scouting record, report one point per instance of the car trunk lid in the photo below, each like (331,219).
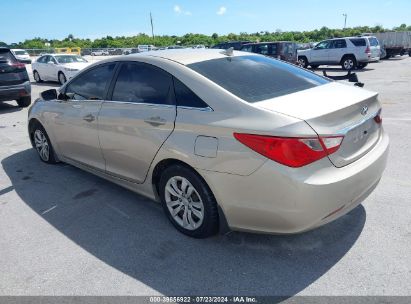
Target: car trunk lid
(335,109)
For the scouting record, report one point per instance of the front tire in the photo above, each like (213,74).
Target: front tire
(37,77)
(24,102)
(62,78)
(188,202)
(303,62)
(43,145)
(349,63)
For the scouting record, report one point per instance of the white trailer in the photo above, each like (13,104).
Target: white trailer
(394,43)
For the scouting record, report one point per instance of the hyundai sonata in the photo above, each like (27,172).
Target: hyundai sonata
(223,139)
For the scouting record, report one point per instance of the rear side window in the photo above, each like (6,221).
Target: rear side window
(339,44)
(256,78)
(373,41)
(185,97)
(6,56)
(142,83)
(358,41)
(92,84)
(247,48)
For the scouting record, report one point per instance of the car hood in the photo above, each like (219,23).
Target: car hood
(76,65)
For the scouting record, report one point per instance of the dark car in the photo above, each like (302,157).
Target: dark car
(234,44)
(284,50)
(14,80)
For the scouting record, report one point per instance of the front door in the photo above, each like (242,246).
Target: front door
(76,123)
(137,120)
(320,54)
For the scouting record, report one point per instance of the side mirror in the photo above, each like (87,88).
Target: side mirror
(49,94)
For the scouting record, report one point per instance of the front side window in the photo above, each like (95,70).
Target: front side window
(42,59)
(255,78)
(142,83)
(323,45)
(185,97)
(92,84)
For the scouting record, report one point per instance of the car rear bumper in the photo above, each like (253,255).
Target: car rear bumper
(279,199)
(13,92)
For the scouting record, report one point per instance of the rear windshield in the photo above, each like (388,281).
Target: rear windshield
(20,53)
(6,56)
(69,59)
(256,78)
(358,41)
(373,41)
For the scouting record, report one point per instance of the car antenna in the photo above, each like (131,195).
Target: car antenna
(228,52)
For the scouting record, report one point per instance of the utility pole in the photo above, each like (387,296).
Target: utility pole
(152,27)
(345,20)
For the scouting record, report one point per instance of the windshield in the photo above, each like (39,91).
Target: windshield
(256,78)
(20,53)
(69,59)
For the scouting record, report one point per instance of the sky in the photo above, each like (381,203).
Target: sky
(93,19)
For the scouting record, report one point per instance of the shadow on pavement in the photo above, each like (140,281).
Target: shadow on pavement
(9,107)
(131,234)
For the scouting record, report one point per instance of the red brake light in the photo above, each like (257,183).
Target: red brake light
(291,151)
(368,50)
(378,118)
(18,65)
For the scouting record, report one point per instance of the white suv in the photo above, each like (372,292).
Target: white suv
(349,52)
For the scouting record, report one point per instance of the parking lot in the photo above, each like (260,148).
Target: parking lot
(66,232)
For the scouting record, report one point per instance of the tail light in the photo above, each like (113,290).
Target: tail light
(291,151)
(18,65)
(368,50)
(378,118)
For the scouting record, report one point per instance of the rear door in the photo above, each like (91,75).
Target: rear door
(338,48)
(374,48)
(137,120)
(12,72)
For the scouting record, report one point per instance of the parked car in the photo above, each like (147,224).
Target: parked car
(350,53)
(172,47)
(145,48)
(234,44)
(57,67)
(115,52)
(284,50)
(14,80)
(99,53)
(21,55)
(253,143)
(84,52)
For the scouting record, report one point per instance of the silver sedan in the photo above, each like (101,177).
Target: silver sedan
(224,140)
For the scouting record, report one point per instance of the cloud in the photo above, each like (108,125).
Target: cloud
(179,11)
(222,10)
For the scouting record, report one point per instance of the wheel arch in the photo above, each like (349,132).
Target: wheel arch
(165,163)
(347,55)
(32,123)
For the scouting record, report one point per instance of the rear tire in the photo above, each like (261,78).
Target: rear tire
(42,144)
(24,102)
(188,202)
(349,63)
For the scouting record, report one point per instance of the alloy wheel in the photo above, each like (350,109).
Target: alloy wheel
(42,145)
(348,64)
(184,203)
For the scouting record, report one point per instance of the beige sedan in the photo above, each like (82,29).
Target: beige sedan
(224,140)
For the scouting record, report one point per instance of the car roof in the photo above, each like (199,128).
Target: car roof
(188,56)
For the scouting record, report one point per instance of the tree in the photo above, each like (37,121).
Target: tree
(214,36)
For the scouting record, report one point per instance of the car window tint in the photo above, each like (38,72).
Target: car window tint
(373,41)
(143,83)
(339,44)
(261,49)
(247,48)
(323,45)
(358,41)
(255,78)
(92,83)
(6,56)
(185,97)
(273,49)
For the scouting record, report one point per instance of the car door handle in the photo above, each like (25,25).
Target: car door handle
(89,118)
(155,121)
